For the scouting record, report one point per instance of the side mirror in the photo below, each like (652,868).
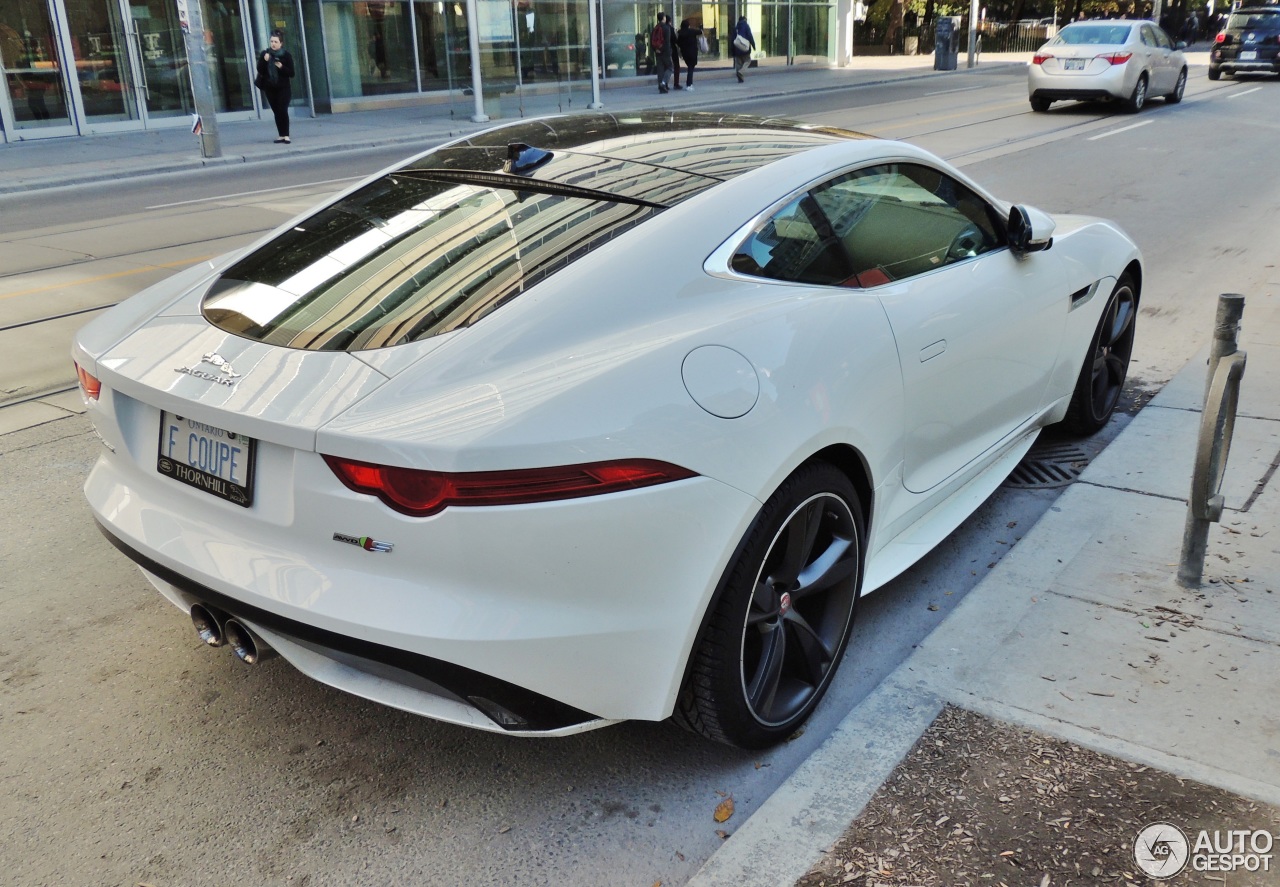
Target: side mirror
(1030,230)
(1181,44)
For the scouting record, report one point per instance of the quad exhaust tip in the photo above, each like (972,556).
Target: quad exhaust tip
(248,647)
(207,626)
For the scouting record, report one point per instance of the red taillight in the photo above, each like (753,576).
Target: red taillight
(90,386)
(421,493)
(1221,38)
(1116,58)
(1040,58)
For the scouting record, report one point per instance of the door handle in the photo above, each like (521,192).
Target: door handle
(142,61)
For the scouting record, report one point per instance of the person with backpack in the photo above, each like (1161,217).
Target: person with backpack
(687,46)
(743,44)
(662,42)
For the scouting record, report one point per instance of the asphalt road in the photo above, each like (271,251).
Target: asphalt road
(131,754)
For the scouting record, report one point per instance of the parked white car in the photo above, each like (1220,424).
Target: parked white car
(595,418)
(1115,60)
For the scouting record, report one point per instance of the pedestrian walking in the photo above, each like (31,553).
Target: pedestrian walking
(275,70)
(663,43)
(687,43)
(744,42)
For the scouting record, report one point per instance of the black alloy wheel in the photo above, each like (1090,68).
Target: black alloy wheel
(776,636)
(1106,365)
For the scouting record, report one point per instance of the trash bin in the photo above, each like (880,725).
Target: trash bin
(946,44)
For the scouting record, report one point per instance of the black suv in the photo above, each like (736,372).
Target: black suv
(1248,44)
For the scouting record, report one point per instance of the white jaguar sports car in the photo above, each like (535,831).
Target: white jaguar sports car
(596,417)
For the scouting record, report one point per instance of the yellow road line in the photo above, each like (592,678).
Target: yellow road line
(100,277)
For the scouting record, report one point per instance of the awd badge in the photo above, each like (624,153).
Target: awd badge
(364,542)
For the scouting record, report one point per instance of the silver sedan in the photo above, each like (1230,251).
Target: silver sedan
(1114,60)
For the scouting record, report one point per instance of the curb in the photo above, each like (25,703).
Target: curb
(809,812)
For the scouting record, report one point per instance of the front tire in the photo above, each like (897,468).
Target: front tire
(775,636)
(1106,365)
(1179,88)
(1138,97)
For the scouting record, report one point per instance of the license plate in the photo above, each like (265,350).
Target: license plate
(1074,64)
(1248,56)
(215,460)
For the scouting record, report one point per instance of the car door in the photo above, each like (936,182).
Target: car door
(1158,60)
(977,327)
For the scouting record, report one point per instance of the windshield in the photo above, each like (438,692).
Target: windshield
(1092,35)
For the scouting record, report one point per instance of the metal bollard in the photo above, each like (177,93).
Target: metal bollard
(1217,424)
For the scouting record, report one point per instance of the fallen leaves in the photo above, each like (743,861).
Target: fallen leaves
(975,800)
(724,810)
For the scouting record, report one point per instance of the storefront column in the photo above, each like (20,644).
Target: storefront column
(473,41)
(844,33)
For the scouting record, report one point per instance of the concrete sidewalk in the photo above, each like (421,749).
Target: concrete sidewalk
(59,162)
(1083,633)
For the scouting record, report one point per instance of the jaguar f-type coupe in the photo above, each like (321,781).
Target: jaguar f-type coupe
(596,417)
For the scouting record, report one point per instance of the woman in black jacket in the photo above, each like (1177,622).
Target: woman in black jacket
(275,70)
(687,45)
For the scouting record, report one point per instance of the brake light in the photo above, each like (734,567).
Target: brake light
(1221,38)
(90,385)
(1040,58)
(1116,58)
(422,493)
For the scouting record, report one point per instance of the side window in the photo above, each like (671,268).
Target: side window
(870,227)
(797,244)
(900,220)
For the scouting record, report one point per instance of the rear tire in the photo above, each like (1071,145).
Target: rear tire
(1106,365)
(1215,73)
(1139,96)
(1176,96)
(775,636)
(1040,105)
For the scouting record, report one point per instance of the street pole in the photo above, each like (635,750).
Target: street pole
(973,33)
(192,21)
(473,40)
(594,104)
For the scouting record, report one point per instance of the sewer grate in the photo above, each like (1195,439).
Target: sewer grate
(1048,465)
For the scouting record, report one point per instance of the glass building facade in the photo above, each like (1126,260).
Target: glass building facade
(77,67)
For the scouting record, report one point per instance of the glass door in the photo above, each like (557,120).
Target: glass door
(157,40)
(35,84)
(104,68)
(229,61)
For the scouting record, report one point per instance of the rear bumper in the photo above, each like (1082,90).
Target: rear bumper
(398,678)
(1116,82)
(1231,66)
(562,614)
(1079,95)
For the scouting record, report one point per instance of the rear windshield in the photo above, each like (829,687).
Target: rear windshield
(1254,19)
(1093,35)
(407,257)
